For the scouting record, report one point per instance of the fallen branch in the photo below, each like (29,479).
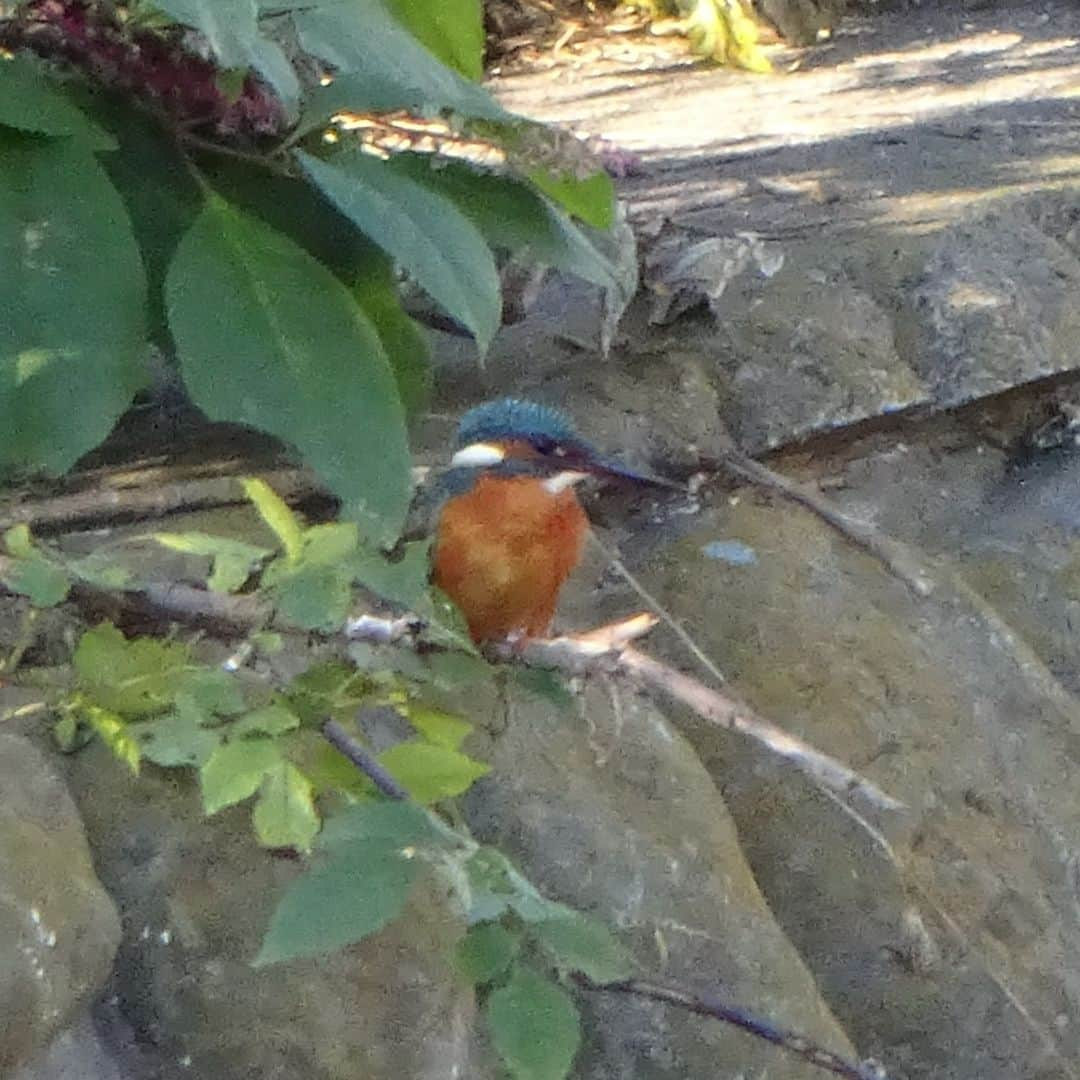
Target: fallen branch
(702,1004)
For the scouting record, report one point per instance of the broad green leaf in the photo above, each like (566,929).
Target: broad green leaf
(289,351)
(234,772)
(452,29)
(485,952)
(337,904)
(330,544)
(72,336)
(179,738)
(43,582)
(429,772)
(134,678)
(513,216)
(19,542)
(272,719)
(591,198)
(404,341)
(285,814)
(274,510)
(233,560)
(438,727)
(397,73)
(114,732)
(534,1026)
(401,581)
(214,691)
(314,597)
(32,101)
(383,826)
(425,234)
(577,942)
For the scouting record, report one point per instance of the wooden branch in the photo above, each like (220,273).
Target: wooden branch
(702,1004)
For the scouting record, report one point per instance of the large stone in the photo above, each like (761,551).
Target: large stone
(608,809)
(196,895)
(58,927)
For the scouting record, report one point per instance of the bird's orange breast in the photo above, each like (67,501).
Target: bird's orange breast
(503,551)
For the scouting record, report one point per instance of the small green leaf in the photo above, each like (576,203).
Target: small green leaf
(402,581)
(384,826)
(274,510)
(438,727)
(535,1026)
(338,904)
(452,29)
(429,238)
(580,943)
(327,690)
(272,719)
(315,597)
(485,952)
(285,814)
(114,732)
(214,691)
(178,738)
(234,772)
(43,582)
(134,678)
(19,542)
(330,544)
(233,560)
(591,199)
(430,772)
(32,100)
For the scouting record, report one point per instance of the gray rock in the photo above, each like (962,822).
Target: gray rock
(996,306)
(615,815)
(58,927)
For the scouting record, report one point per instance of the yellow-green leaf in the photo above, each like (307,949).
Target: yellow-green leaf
(430,772)
(285,814)
(275,512)
(438,727)
(113,731)
(235,771)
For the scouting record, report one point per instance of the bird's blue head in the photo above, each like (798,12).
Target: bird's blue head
(526,435)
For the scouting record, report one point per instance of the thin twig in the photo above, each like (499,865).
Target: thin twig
(710,1005)
(341,741)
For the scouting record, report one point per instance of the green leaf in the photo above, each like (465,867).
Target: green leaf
(383,827)
(485,952)
(289,351)
(32,101)
(398,73)
(314,597)
(114,732)
(233,560)
(401,581)
(577,942)
(214,691)
(285,814)
(19,542)
(337,904)
(535,1027)
(438,727)
(134,678)
(429,772)
(272,719)
(274,510)
(330,544)
(327,690)
(592,198)
(234,772)
(513,216)
(178,738)
(72,335)
(452,29)
(43,582)
(425,234)
(404,341)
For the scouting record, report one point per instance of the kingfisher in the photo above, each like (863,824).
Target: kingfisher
(512,529)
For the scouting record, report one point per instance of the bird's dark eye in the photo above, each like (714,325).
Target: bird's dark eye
(544,444)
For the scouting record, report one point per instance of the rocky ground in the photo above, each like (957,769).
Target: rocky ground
(866,272)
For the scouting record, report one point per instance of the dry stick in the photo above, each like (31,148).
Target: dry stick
(703,1004)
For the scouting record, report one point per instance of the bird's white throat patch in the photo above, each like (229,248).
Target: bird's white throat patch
(559,483)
